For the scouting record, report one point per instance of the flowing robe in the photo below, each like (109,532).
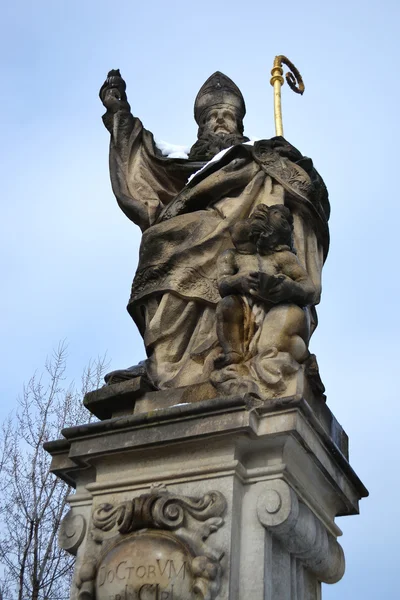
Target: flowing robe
(186,226)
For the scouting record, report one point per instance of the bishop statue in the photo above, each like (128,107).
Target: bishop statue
(234,240)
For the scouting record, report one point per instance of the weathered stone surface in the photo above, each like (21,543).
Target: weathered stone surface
(133,397)
(72,532)
(295,525)
(145,566)
(217,470)
(262,326)
(266,314)
(155,545)
(167,405)
(280,474)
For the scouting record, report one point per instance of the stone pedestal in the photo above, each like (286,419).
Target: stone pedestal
(227,498)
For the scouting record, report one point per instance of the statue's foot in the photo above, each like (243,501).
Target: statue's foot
(125,374)
(230,358)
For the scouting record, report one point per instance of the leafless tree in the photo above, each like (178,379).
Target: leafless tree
(32,501)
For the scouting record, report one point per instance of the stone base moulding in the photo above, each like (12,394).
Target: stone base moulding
(221,498)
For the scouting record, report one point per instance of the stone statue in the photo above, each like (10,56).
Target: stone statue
(264,289)
(187,209)
(215,470)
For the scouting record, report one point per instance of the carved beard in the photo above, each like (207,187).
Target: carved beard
(208,145)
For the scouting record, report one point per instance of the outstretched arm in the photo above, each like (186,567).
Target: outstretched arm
(137,177)
(292,284)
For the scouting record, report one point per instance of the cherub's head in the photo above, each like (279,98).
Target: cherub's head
(267,228)
(273,227)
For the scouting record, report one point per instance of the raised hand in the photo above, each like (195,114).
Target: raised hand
(112,92)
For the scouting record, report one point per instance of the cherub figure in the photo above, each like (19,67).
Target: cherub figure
(264,290)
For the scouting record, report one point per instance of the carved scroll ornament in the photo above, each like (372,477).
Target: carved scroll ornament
(300,531)
(161,511)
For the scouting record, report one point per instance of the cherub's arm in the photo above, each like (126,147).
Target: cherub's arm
(230,280)
(292,284)
(298,285)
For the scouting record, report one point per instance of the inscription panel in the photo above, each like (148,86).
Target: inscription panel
(146,566)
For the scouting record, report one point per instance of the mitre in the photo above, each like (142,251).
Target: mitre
(219,89)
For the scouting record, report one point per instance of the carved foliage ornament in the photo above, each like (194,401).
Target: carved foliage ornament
(139,528)
(160,510)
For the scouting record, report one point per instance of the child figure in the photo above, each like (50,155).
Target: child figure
(264,289)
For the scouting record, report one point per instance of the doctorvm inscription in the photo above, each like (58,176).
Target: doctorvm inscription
(146,566)
(125,571)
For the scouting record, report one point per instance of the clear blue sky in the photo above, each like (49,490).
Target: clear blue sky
(68,254)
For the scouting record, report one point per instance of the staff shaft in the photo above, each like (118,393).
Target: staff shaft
(277,81)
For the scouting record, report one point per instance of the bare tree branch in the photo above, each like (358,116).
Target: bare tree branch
(33,501)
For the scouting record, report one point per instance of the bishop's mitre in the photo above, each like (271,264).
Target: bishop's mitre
(219,89)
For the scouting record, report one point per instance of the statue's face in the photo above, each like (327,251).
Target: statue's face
(220,120)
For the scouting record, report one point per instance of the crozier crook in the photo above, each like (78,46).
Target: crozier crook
(294,80)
